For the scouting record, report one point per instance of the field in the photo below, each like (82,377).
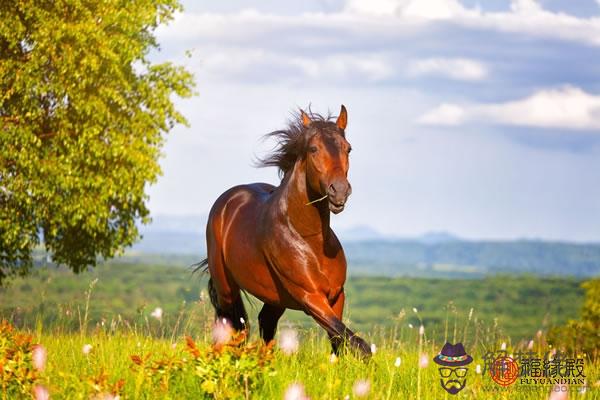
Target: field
(136,352)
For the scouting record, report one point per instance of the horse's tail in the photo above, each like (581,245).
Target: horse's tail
(236,315)
(202,267)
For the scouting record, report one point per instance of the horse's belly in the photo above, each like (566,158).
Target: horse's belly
(260,282)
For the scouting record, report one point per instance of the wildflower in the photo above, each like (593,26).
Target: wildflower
(221,332)
(87,348)
(539,334)
(288,341)
(559,392)
(423,360)
(295,392)
(361,388)
(40,393)
(157,313)
(415,310)
(373,348)
(203,296)
(421,330)
(410,326)
(397,362)
(39,356)
(478,369)
(503,346)
(242,320)
(530,345)
(333,358)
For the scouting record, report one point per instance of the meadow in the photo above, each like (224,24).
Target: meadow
(146,332)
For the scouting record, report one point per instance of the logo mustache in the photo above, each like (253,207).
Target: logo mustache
(453,383)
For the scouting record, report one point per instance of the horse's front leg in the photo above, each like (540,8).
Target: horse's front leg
(317,306)
(338,308)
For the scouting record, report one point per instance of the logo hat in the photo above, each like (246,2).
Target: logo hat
(453,355)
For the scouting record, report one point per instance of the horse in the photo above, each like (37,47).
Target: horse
(276,242)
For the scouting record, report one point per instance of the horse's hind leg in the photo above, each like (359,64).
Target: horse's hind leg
(267,321)
(228,304)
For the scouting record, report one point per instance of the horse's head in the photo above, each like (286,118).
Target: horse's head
(327,160)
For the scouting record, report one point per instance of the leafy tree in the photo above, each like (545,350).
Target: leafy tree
(583,334)
(83,112)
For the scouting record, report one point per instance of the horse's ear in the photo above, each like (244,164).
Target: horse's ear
(342,119)
(306,121)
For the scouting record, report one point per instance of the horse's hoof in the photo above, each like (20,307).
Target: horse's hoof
(363,349)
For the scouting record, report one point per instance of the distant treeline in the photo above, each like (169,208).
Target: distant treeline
(467,258)
(448,257)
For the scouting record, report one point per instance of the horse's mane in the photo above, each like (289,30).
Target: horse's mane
(292,141)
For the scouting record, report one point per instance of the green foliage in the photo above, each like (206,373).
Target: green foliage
(232,370)
(17,374)
(132,291)
(583,334)
(83,113)
(472,259)
(169,369)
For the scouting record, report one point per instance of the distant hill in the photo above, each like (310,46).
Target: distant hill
(436,254)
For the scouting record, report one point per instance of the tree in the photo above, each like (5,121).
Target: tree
(582,335)
(83,112)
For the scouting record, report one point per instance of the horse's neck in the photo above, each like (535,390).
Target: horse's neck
(307,220)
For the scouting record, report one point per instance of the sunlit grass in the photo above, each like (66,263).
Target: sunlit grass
(96,362)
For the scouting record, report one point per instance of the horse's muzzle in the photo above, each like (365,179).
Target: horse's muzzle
(337,195)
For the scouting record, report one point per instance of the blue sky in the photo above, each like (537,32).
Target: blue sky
(481,118)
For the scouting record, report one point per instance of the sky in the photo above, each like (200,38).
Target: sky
(480,118)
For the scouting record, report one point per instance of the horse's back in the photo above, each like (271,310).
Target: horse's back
(238,206)
(241,195)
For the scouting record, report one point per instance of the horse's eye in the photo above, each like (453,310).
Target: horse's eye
(349,150)
(313,149)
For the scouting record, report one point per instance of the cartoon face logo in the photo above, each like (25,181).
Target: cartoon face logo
(453,371)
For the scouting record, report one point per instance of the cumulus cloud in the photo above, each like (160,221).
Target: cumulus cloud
(566,107)
(422,9)
(253,64)
(453,68)
(385,17)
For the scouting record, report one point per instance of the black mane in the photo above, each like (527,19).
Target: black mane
(292,141)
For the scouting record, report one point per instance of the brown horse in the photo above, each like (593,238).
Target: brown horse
(276,243)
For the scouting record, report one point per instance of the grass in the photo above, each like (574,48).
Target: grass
(518,306)
(136,356)
(71,374)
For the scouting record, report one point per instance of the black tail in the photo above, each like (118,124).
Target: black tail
(201,266)
(235,314)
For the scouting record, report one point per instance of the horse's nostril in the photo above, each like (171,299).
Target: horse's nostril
(332,189)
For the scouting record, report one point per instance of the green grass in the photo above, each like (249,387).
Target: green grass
(70,374)
(64,311)
(514,306)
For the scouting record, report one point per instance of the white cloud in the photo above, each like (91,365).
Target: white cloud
(245,63)
(444,114)
(566,107)
(387,17)
(453,68)
(422,9)
(525,16)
